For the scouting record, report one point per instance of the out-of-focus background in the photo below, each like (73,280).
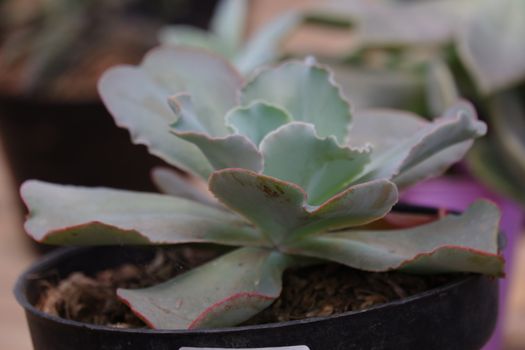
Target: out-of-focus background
(417,55)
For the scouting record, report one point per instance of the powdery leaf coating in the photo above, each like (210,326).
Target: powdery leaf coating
(136,97)
(221,149)
(279,208)
(321,167)
(256,120)
(223,292)
(307,92)
(101,216)
(234,151)
(408,149)
(465,243)
(176,184)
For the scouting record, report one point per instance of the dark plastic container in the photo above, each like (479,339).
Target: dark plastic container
(460,315)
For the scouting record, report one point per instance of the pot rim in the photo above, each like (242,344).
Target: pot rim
(21,296)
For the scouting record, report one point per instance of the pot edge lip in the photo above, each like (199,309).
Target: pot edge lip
(22,300)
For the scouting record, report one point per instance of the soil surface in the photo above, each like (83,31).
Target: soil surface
(313,291)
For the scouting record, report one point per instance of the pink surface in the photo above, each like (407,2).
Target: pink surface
(459,192)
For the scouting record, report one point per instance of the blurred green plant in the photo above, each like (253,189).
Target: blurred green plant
(227,33)
(430,53)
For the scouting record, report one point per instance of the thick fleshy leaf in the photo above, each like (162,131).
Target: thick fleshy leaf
(263,47)
(176,184)
(187,119)
(280,208)
(216,82)
(223,292)
(465,243)
(181,35)
(222,151)
(229,22)
(408,149)
(321,167)
(136,96)
(234,151)
(491,44)
(433,166)
(305,90)
(256,120)
(69,215)
(140,106)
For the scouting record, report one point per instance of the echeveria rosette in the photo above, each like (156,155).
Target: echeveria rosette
(296,176)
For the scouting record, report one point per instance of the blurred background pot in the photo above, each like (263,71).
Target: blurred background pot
(52,122)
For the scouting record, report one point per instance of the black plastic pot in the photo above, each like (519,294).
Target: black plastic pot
(460,315)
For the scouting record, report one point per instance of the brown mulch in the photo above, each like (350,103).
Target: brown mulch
(93,299)
(330,289)
(313,291)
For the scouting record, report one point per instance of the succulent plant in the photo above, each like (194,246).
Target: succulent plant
(226,36)
(296,178)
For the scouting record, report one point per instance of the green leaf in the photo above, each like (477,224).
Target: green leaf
(229,22)
(491,44)
(136,97)
(263,47)
(321,167)
(176,184)
(234,151)
(187,119)
(140,106)
(305,90)
(181,35)
(409,149)
(223,292)
(221,150)
(279,208)
(465,243)
(69,215)
(215,84)
(256,120)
